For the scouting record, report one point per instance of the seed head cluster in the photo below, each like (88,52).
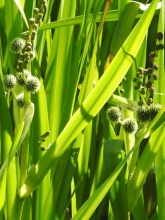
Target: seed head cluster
(114,114)
(23,48)
(145,77)
(146,114)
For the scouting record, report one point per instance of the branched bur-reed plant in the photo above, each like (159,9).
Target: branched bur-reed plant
(82,121)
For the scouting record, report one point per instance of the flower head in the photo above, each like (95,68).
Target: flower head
(20,101)
(32,84)
(9,81)
(130,125)
(143,114)
(17,45)
(154,109)
(20,79)
(114,114)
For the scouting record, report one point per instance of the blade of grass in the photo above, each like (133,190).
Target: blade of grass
(122,30)
(139,211)
(111,16)
(121,6)
(6,136)
(60,209)
(39,126)
(18,3)
(117,193)
(12,26)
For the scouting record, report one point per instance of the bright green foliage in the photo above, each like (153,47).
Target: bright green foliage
(65,67)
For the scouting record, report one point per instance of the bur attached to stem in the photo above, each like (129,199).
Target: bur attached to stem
(143,114)
(20,79)
(9,81)
(154,109)
(130,125)
(16,45)
(114,114)
(20,101)
(32,84)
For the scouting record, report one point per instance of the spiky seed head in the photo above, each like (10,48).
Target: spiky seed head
(16,45)
(114,114)
(154,109)
(143,114)
(130,125)
(20,79)
(32,84)
(9,81)
(20,101)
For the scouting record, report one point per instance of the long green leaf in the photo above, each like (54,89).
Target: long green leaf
(18,3)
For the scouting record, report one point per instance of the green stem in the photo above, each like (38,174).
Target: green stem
(129,143)
(24,158)
(144,102)
(100,28)
(27,97)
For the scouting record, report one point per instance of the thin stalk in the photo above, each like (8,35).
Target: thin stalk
(129,143)
(24,158)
